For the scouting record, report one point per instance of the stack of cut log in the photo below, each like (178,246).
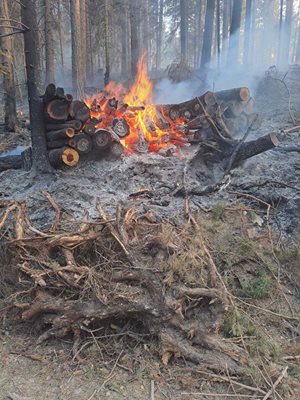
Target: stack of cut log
(232,109)
(71,132)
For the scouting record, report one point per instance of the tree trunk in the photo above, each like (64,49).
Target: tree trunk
(10,119)
(36,107)
(248,33)
(76,48)
(183,30)
(287,31)
(107,43)
(89,46)
(159,34)
(134,44)
(218,33)
(225,30)
(233,54)
(83,49)
(124,41)
(208,33)
(49,41)
(60,35)
(280,35)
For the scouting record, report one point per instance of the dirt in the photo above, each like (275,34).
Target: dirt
(272,177)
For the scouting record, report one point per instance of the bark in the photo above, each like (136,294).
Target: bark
(49,41)
(218,33)
(10,108)
(233,54)
(89,46)
(183,30)
(134,42)
(107,43)
(159,34)
(38,139)
(83,42)
(248,33)
(280,36)
(225,30)
(287,31)
(65,155)
(60,36)
(208,33)
(76,48)
(124,41)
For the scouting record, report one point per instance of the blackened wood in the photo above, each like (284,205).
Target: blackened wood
(116,150)
(10,162)
(57,110)
(57,144)
(102,139)
(189,109)
(79,110)
(60,134)
(60,93)
(19,161)
(82,143)
(50,93)
(36,106)
(239,94)
(75,124)
(89,128)
(254,147)
(64,155)
(69,97)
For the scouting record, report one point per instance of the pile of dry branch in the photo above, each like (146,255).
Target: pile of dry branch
(80,277)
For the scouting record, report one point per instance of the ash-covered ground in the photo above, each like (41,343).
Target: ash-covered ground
(274,176)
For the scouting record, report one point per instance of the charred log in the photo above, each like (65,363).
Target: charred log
(74,124)
(57,110)
(238,94)
(64,155)
(79,110)
(60,134)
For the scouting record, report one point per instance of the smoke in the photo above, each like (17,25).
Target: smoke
(167,91)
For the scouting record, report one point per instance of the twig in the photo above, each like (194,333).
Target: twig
(111,228)
(220,395)
(278,380)
(6,213)
(111,374)
(152,390)
(266,310)
(290,130)
(57,211)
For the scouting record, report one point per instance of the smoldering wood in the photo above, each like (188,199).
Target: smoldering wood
(79,110)
(89,128)
(50,93)
(116,151)
(60,93)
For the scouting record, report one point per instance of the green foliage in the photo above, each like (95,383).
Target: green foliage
(237,324)
(217,211)
(258,289)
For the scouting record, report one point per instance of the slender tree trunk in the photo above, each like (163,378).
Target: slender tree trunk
(134,43)
(208,33)
(6,47)
(61,37)
(76,48)
(248,33)
(83,41)
(183,30)
(287,30)
(218,33)
(159,34)
(36,108)
(89,50)
(233,56)
(49,41)
(107,43)
(124,41)
(280,35)
(225,29)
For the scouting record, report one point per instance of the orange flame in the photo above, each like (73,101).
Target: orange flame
(149,129)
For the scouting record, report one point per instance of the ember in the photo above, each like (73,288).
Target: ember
(132,119)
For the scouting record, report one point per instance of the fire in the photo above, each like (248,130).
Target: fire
(132,119)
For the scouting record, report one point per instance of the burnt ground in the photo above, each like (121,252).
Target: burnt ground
(273,177)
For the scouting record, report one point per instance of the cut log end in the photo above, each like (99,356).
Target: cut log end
(244,94)
(102,139)
(64,155)
(209,98)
